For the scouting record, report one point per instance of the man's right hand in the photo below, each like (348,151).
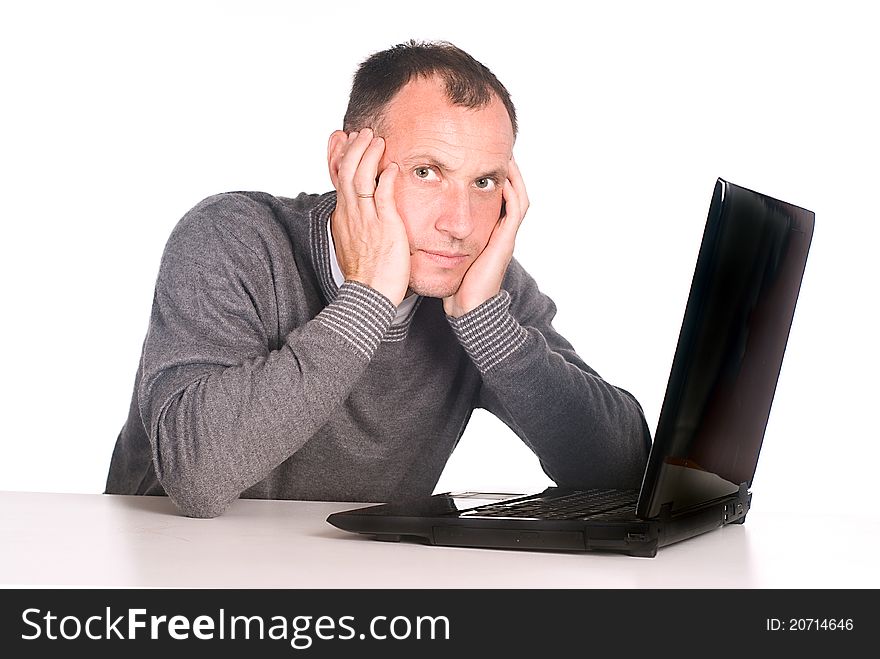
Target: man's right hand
(370,238)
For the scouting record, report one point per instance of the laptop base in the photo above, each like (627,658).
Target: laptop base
(436,520)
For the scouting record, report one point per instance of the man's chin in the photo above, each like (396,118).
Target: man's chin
(439,289)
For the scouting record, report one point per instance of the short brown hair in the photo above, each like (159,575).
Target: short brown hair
(383,74)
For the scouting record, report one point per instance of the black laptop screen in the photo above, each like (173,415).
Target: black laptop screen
(730,350)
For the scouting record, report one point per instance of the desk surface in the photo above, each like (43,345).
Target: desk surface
(95,540)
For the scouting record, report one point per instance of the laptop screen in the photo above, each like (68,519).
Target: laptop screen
(729,352)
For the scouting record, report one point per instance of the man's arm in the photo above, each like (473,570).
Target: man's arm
(221,409)
(586,432)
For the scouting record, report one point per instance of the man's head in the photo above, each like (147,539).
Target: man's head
(450,126)
(382,75)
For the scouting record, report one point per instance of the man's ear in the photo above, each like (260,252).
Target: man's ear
(335,151)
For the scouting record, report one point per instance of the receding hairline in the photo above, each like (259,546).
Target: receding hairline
(378,122)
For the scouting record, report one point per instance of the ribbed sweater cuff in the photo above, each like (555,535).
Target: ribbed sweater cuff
(489,333)
(359,314)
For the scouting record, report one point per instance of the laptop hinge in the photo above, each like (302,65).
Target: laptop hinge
(743,495)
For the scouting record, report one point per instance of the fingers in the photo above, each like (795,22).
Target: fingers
(358,168)
(352,152)
(514,175)
(504,233)
(385,190)
(511,203)
(516,203)
(365,174)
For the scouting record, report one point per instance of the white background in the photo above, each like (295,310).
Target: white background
(116,118)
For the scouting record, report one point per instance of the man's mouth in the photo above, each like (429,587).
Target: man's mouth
(445,259)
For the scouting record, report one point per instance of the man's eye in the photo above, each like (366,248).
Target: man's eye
(426,173)
(485,183)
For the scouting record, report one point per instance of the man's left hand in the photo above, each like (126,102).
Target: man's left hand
(483,279)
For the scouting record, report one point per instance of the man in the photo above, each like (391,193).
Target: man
(334,346)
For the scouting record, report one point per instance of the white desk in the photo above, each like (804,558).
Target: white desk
(94,540)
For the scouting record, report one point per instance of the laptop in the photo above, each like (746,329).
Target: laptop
(711,425)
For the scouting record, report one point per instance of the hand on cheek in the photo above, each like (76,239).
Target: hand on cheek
(370,237)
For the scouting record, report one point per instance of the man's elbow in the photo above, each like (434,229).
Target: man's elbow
(617,464)
(612,474)
(632,454)
(198,504)
(194,483)
(195,498)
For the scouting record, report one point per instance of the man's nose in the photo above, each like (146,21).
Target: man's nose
(455,214)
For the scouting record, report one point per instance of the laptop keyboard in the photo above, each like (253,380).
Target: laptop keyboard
(583,504)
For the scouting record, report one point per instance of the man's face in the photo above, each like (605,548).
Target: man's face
(453,164)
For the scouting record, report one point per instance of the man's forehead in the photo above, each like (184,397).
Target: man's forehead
(422,121)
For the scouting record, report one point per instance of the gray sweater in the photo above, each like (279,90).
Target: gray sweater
(261,378)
